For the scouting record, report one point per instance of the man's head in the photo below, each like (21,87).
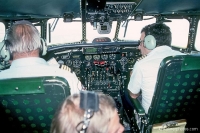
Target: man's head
(69,116)
(160,32)
(23,40)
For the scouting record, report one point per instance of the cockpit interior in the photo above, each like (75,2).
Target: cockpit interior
(98,39)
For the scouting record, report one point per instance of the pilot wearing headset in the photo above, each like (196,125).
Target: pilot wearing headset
(22,47)
(155,42)
(87,112)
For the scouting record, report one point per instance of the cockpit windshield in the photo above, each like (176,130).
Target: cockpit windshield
(69,32)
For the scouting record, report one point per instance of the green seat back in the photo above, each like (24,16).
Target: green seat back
(177,92)
(28,104)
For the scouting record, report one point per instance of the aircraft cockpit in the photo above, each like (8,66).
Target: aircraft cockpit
(98,39)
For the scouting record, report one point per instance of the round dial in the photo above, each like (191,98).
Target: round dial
(96,57)
(112,56)
(131,60)
(68,62)
(104,56)
(88,57)
(77,63)
(123,60)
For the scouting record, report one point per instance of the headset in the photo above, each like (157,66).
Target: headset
(149,40)
(89,102)
(5,53)
(43,47)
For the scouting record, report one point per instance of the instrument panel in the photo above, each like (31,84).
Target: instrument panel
(100,68)
(112,10)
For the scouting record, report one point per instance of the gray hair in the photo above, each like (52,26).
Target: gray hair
(23,38)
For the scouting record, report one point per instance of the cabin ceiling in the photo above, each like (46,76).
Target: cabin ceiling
(37,8)
(169,6)
(27,9)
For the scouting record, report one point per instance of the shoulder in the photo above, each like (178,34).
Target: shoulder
(66,68)
(141,58)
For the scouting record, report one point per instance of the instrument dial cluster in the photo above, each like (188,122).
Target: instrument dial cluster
(100,68)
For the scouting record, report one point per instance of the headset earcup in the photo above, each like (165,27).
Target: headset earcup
(43,47)
(5,52)
(150,42)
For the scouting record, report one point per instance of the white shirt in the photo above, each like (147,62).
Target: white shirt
(34,67)
(144,74)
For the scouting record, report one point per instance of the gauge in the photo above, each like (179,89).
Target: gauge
(112,56)
(68,62)
(76,63)
(104,57)
(123,60)
(88,57)
(96,57)
(131,60)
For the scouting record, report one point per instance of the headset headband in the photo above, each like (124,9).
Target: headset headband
(89,101)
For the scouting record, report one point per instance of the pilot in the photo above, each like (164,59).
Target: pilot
(155,42)
(23,47)
(87,112)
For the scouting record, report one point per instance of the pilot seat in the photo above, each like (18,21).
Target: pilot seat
(176,100)
(28,104)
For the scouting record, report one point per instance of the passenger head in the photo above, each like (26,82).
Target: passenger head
(159,31)
(69,115)
(23,39)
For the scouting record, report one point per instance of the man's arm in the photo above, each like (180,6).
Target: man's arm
(135,82)
(134,95)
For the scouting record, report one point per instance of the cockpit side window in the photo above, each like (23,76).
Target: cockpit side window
(2,31)
(197,40)
(180,31)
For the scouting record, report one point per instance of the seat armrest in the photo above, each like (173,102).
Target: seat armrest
(138,107)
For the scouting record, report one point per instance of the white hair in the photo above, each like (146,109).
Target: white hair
(23,38)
